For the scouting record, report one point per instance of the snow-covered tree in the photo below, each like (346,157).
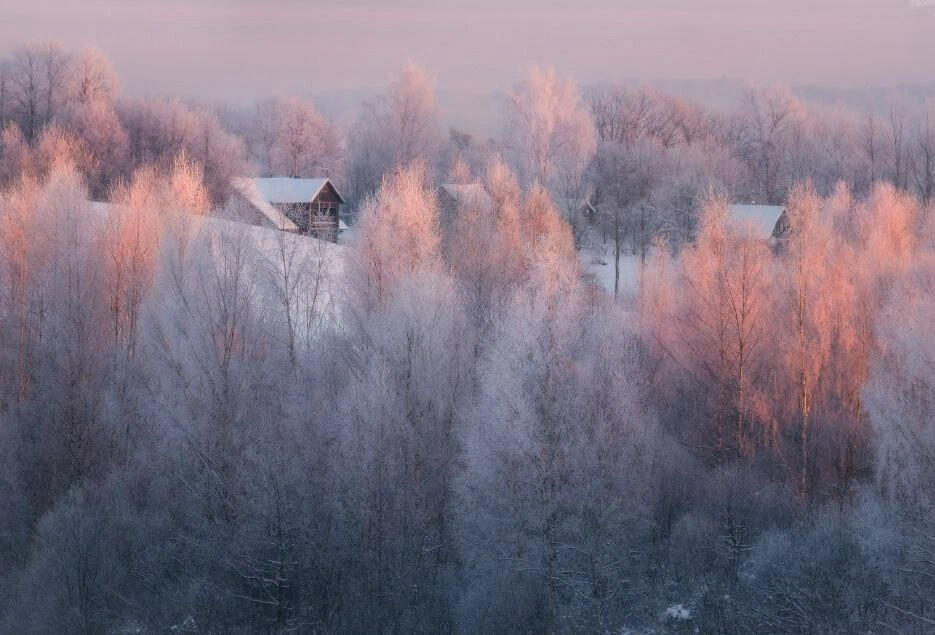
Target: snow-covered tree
(551,138)
(300,141)
(92,78)
(399,128)
(398,234)
(557,455)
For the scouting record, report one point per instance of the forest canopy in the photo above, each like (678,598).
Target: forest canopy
(442,422)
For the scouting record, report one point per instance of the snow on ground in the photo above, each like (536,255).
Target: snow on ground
(269,241)
(598,261)
(319,263)
(348,234)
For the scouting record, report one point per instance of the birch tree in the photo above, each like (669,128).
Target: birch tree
(551,138)
(398,129)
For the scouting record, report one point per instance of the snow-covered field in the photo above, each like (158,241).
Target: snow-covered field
(315,267)
(598,261)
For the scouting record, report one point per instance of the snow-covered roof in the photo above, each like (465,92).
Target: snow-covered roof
(249,190)
(473,193)
(289,190)
(761,219)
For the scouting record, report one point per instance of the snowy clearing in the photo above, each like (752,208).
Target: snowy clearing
(599,263)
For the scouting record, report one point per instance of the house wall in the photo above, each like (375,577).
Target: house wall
(320,216)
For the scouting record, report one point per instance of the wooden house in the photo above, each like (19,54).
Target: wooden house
(306,206)
(765,222)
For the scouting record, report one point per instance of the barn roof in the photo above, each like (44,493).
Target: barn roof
(289,190)
(761,219)
(249,190)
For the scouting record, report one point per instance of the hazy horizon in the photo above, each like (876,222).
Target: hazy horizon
(240,50)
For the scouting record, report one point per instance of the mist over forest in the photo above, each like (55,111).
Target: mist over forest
(625,358)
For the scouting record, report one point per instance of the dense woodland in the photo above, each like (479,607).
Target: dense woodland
(446,426)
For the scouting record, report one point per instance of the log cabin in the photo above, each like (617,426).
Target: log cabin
(305,206)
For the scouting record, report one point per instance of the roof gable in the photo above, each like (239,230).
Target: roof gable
(290,190)
(249,190)
(761,219)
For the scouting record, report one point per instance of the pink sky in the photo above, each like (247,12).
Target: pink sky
(240,49)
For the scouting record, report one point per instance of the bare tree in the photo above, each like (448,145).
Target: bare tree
(92,78)
(872,147)
(298,275)
(101,133)
(897,139)
(55,69)
(626,176)
(27,82)
(158,131)
(768,120)
(623,116)
(6,92)
(923,159)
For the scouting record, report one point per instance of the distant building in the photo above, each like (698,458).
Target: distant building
(766,222)
(305,206)
(586,206)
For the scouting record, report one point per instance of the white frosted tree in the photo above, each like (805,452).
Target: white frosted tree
(818,343)
(399,128)
(714,329)
(16,160)
(551,138)
(98,127)
(396,446)
(900,398)
(304,142)
(397,454)
(557,454)
(900,393)
(159,130)
(398,234)
(92,78)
